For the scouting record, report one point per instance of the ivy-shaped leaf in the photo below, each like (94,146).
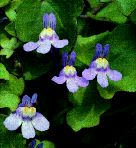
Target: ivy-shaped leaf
(4,3)
(4,74)
(11,9)
(8,100)
(13,85)
(88,107)
(8,45)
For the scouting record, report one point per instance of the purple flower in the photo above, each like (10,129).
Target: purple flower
(69,74)
(27,116)
(100,67)
(47,37)
(34,144)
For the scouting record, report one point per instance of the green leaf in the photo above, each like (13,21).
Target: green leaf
(10,28)
(48,144)
(8,45)
(8,100)
(94,3)
(9,138)
(88,107)
(35,66)
(84,47)
(133,17)
(13,85)
(4,74)
(127,6)
(3,3)
(122,58)
(11,9)
(65,12)
(112,13)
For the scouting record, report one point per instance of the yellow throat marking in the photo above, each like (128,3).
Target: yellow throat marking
(101,63)
(28,111)
(69,70)
(47,32)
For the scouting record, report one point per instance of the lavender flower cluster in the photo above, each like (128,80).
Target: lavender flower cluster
(99,67)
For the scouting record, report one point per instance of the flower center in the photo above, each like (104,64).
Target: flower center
(101,63)
(69,70)
(46,32)
(28,111)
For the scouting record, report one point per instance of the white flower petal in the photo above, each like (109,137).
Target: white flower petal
(44,47)
(30,46)
(59,43)
(89,74)
(59,80)
(12,122)
(102,79)
(27,130)
(114,75)
(72,85)
(40,122)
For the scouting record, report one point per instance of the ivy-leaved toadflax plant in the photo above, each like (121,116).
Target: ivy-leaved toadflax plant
(99,67)
(27,116)
(69,74)
(47,37)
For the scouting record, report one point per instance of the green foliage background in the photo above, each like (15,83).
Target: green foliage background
(84,23)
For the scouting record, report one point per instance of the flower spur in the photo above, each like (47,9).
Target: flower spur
(99,67)
(26,115)
(69,74)
(47,37)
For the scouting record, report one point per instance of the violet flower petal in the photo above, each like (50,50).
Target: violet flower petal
(72,85)
(72,58)
(40,122)
(12,122)
(30,46)
(44,47)
(106,50)
(89,74)
(27,130)
(82,82)
(59,80)
(102,79)
(34,98)
(59,43)
(114,75)
(64,58)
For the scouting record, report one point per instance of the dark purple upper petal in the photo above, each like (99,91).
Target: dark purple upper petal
(64,59)
(25,101)
(72,58)
(49,20)
(34,98)
(106,50)
(45,20)
(32,144)
(98,50)
(39,145)
(52,21)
